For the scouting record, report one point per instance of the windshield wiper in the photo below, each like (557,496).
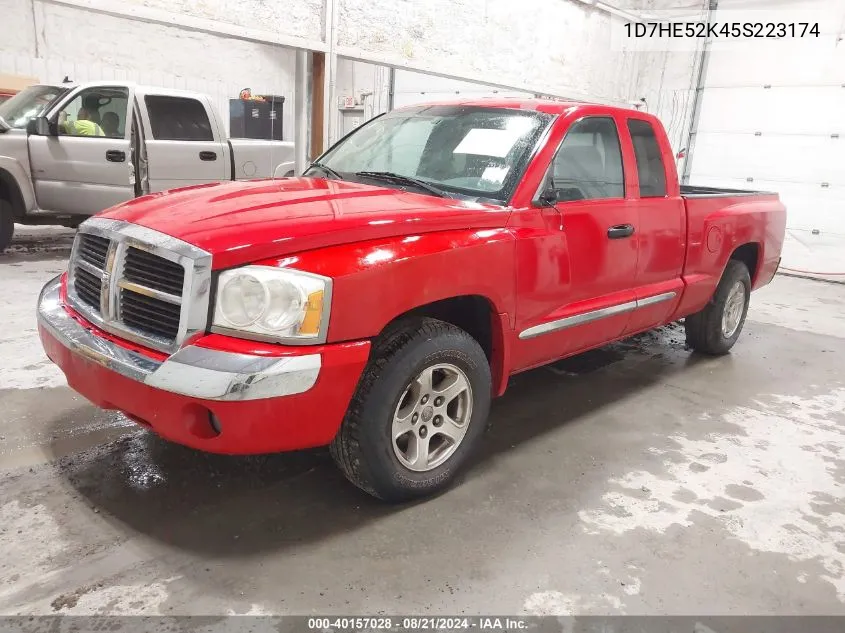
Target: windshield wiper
(407,180)
(329,171)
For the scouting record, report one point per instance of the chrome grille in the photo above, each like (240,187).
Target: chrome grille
(88,287)
(148,314)
(94,249)
(153,271)
(139,284)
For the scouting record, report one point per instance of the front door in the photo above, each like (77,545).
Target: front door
(577,269)
(87,167)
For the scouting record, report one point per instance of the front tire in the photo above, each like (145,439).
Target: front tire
(419,412)
(715,329)
(7,224)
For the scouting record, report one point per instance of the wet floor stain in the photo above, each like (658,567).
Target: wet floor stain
(654,343)
(35,240)
(753,474)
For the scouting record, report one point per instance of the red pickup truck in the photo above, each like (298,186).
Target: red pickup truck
(378,303)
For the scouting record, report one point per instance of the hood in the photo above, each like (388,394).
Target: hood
(243,222)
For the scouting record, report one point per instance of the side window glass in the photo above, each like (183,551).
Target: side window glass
(650,167)
(178,119)
(99,111)
(588,164)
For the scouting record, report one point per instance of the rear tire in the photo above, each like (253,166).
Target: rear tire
(419,412)
(7,224)
(715,329)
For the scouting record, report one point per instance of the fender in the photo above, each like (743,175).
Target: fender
(374,282)
(757,222)
(13,174)
(716,231)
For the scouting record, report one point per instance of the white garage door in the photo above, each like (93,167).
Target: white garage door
(773,118)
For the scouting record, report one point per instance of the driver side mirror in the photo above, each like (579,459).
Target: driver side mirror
(41,126)
(548,197)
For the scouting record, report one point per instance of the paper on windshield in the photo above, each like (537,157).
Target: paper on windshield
(494,174)
(487,142)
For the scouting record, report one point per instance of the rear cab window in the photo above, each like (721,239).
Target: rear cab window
(650,167)
(178,119)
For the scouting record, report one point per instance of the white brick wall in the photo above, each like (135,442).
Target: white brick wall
(18,30)
(560,46)
(87,46)
(297,18)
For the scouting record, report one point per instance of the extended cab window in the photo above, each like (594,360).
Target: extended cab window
(650,167)
(588,164)
(178,119)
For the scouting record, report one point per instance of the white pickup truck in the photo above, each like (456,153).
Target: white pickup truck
(70,151)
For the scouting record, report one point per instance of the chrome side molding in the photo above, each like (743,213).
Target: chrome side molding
(594,315)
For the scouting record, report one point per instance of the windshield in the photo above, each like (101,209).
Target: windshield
(28,104)
(472,151)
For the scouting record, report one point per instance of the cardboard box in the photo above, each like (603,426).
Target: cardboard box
(11,84)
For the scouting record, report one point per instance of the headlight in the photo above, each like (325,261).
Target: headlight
(273,304)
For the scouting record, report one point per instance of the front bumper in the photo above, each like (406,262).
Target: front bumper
(219,394)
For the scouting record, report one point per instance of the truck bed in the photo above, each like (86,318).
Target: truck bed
(718,221)
(691,191)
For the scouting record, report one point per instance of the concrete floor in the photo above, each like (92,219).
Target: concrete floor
(634,479)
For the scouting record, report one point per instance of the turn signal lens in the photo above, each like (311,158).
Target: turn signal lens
(313,314)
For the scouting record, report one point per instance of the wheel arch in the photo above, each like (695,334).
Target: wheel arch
(10,190)
(749,254)
(477,316)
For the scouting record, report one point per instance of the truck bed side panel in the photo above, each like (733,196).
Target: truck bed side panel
(716,227)
(253,158)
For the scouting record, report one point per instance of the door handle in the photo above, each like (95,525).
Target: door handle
(620,231)
(208,155)
(115,156)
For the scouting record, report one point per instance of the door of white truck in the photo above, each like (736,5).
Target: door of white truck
(83,166)
(183,140)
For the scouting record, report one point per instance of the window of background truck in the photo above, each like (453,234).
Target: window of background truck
(102,109)
(178,119)
(474,151)
(588,164)
(650,167)
(28,104)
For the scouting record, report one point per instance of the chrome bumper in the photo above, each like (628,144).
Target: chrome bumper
(192,371)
